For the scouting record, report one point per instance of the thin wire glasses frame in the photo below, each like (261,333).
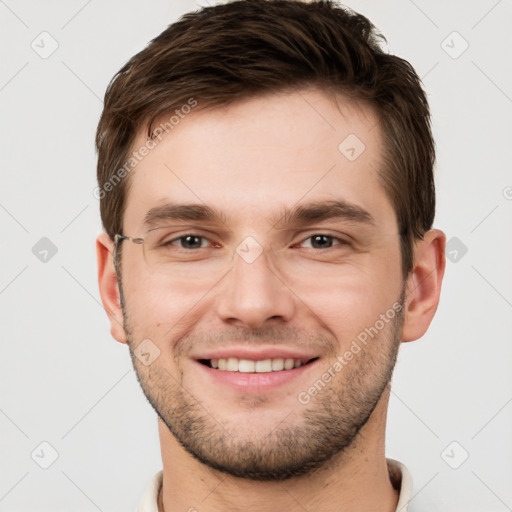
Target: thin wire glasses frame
(118,238)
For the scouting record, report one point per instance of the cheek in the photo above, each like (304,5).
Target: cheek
(352,298)
(155,309)
(348,310)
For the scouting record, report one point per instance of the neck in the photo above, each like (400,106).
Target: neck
(355,480)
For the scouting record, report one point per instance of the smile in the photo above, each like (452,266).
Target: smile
(233,364)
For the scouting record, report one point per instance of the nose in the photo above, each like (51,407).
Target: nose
(254,293)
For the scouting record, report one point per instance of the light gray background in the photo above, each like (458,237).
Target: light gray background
(66,382)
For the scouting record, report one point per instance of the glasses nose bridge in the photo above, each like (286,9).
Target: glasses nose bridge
(254,257)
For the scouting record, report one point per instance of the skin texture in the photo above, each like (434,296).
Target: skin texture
(223,448)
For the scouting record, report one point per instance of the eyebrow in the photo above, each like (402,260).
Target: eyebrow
(302,214)
(325,210)
(180,212)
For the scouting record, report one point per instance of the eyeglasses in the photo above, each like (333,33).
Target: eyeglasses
(165,248)
(192,254)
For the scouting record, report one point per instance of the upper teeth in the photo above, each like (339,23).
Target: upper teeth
(232,364)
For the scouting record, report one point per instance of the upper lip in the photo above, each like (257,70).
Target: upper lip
(256,354)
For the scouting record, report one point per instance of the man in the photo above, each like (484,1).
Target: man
(266,185)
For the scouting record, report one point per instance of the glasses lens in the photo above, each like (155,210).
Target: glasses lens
(171,250)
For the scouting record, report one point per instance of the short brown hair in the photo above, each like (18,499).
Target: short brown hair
(233,51)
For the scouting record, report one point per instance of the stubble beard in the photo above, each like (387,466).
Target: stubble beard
(329,425)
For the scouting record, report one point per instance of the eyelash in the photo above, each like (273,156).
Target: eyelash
(341,241)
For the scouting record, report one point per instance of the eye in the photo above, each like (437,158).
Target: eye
(322,241)
(189,241)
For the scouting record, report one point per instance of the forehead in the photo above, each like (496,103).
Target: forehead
(258,156)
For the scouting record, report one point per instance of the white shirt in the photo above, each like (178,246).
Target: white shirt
(398,473)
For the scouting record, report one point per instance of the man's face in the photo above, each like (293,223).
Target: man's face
(268,277)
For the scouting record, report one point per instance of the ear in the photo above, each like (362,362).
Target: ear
(424,284)
(109,287)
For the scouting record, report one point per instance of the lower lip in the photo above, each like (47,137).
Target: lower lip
(254,382)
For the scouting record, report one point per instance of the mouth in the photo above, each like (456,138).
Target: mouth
(269,365)
(249,370)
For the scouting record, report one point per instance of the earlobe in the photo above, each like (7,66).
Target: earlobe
(109,287)
(424,284)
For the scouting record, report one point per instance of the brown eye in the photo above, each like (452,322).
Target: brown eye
(189,242)
(321,241)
